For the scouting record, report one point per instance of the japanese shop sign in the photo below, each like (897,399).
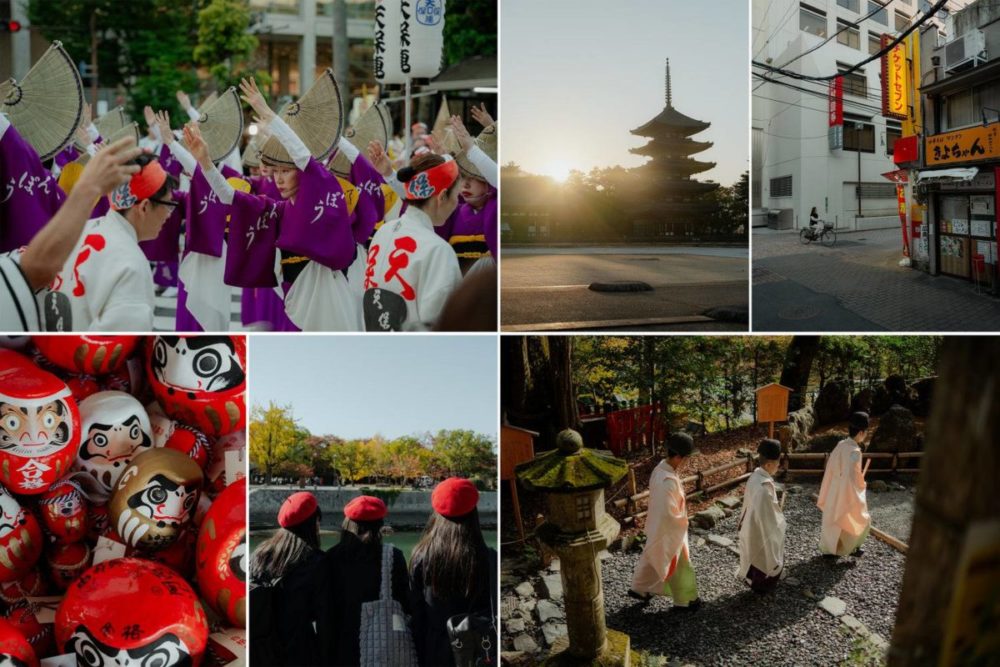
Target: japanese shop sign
(968,145)
(895,72)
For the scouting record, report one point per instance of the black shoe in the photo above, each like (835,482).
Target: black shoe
(858,553)
(830,557)
(692,606)
(644,597)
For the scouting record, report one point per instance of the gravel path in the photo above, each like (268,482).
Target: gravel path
(736,627)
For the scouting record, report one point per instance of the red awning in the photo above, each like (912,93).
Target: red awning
(898,176)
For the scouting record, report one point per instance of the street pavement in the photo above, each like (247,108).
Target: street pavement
(548,288)
(858,285)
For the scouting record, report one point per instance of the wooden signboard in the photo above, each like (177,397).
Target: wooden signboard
(517,445)
(772,405)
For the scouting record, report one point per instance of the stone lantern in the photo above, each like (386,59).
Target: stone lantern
(573,478)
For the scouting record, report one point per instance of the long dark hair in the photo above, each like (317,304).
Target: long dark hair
(362,538)
(285,550)
(454,556)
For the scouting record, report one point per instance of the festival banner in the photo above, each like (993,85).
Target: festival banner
(901,199)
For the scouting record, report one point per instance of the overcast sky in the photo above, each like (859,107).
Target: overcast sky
(356,386)
(577,75)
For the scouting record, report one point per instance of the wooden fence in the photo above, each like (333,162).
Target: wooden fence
(701,487)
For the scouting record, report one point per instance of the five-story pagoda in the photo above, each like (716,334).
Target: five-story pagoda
(669,204)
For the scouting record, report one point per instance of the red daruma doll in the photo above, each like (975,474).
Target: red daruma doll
(39,426)
(14,648)
(200,380)
(20,538)
(130,611)
(90,354)
(222,556)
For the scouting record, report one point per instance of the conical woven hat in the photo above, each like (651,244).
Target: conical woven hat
(446,141)
(375,124)
(317,118)
(221,124)
(487,141)
(208,101)
(46,106)
(441,122)
(112,122)
(129,130)
(251,154)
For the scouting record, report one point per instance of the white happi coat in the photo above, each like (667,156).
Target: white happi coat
(430,272)
(762,527)
(842,499)
(106,282)
(666,531)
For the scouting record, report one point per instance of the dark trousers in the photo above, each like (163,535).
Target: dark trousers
(760,582)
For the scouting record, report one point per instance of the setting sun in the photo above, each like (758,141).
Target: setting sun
(558,170)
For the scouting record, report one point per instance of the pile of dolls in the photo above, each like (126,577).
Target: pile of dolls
(122,499)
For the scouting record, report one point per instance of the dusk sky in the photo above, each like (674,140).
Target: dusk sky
(577,75)
(356,386)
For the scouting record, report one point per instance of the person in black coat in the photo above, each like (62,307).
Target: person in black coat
(452,574)
(350,575)
(282,572)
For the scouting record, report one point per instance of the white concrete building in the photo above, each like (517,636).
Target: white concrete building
(794,166)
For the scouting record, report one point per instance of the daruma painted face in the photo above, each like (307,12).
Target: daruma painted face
(63,509)
(115,429)
(155,498)
(222,555)
(200,380)
(129,611)
(39,426)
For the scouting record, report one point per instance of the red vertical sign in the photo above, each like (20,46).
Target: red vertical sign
(836,101)
(901,198)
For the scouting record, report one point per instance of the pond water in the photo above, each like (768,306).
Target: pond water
(404,540)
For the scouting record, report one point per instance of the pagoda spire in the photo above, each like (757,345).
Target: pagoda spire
(669,100)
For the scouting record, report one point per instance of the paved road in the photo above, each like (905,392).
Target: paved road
(549,288)
(858,285)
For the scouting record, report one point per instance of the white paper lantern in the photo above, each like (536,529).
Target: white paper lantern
(409,39)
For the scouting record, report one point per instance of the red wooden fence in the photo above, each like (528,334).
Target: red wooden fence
(630,429)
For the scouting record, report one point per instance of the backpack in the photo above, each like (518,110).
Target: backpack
(385,629)
(473,636)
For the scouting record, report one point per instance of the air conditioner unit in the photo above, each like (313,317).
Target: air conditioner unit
(966,51)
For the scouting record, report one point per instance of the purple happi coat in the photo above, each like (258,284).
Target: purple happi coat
(29,195)
(370,208)
(472,232)
(66,155)
(165,249)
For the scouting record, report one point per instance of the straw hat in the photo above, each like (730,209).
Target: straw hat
(446,140)
(129,130)
(45,106)
(487,141)
(221,124)
(251,154)
(112,122)
(317,118)
(443,115)
(375,124)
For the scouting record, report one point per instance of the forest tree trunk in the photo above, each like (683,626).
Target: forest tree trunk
(957,489)
(798,364)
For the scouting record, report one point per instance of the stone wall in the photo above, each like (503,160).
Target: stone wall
(407,509)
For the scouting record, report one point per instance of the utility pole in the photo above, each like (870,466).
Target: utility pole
(857,136)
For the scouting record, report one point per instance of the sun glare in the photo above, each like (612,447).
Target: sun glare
(558,170)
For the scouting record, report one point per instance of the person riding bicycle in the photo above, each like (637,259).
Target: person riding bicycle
(813,220)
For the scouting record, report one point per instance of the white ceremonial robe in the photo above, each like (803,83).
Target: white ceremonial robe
(105,285)
(842,498)
(406,257)
(18,309)
(324,299)
(666,553)
(762,527)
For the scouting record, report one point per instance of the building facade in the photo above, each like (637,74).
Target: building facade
(798,160)
(954,180)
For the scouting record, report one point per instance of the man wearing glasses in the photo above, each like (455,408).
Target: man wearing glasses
(106,284)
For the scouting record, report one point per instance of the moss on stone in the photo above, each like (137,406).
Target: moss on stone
(584,470)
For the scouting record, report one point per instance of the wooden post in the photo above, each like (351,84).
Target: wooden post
(517,508)
(770,430)
(631,481)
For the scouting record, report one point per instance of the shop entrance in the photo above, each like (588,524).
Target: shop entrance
(967,231)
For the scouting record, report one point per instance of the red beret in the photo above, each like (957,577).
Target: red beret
(365,508)
(454,497)
(297,508)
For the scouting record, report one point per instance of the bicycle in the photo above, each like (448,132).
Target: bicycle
(828,235)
